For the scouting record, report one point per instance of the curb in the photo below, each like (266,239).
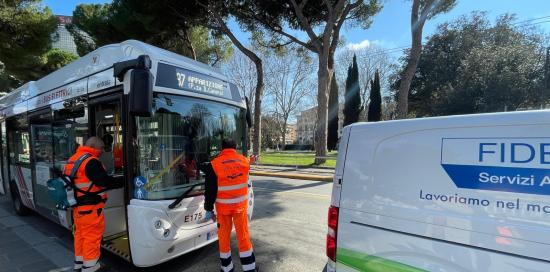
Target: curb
(292,176)
(298,166)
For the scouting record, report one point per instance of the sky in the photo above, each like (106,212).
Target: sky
(391,27)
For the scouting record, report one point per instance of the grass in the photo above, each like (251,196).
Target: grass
(293,158)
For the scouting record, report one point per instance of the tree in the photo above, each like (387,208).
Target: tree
(55,59)
(218,12)
(326,17)
(352,98)
(25,36)
(287,84)
(333,110)
(375,104)
(421,11)
(369,60)
(95,25)
(471,65)
(270,133)
(546,85)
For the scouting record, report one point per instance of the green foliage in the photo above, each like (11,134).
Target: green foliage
(172,25)
(352,99)
(55,59)
(332,137)
(471,65)
(25,36)
(375,103)
(439,6)
(271,13)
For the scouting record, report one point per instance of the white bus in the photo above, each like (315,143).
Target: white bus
(161,116)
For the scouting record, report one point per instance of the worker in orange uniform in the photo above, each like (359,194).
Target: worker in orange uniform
(227,186)
(89,220)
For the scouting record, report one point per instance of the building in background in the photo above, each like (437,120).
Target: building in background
(307,123)
(62,37)
(305,127)
(290,136)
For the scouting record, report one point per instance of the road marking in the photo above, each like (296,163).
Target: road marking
(256,188)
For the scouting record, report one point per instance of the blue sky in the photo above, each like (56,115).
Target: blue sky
(391,27)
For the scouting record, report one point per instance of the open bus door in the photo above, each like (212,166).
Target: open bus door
(106,123)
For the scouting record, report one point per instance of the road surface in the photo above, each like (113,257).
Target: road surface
(288,231)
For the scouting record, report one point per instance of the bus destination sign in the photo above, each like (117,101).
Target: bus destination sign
(178,78)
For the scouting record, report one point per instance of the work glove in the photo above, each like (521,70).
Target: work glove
(207,217)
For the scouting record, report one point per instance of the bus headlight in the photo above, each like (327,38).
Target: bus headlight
(158,224)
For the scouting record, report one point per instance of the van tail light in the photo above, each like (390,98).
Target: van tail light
(332,232)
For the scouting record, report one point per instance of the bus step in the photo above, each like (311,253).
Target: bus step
(117,244)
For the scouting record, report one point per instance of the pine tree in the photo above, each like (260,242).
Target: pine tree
(375,104)
(352,105)
(332,137)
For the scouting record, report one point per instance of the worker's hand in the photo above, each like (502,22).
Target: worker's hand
(207,217)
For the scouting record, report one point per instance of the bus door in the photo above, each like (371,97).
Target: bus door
(106,119)
(41,141)
(4,159)
(69,131)
(19,163)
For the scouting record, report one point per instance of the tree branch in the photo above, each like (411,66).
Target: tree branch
(340,23)
(305,24)
(278,29)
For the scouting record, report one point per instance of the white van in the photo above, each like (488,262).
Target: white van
(460,193)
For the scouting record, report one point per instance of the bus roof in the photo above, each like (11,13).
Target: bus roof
(96,69)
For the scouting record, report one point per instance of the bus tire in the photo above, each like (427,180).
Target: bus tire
(18,206)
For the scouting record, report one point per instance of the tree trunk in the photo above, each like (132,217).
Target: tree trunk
(323,80)
(417,24)
(284,135)
(256,138)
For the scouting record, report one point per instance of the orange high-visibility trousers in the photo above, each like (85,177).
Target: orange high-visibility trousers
(89,222)
(246,253)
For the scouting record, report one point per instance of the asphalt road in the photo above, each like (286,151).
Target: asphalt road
(288,231)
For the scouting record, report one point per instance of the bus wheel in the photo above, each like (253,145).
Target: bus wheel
(18,206)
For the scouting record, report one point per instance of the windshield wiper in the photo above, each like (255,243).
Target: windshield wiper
(182,196)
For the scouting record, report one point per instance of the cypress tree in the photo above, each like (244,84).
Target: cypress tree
(332,137)
(375,104)
(352,105)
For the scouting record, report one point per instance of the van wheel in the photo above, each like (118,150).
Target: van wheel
(18,206)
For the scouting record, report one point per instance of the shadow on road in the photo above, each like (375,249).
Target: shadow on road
(277,185)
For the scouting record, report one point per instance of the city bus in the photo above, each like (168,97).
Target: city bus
(162,116)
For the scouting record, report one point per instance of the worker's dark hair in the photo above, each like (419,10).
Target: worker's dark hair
(228,143)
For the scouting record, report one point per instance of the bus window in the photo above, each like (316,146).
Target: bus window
(70,130)
(19,157)
(183,133)
(42,156)
(18,135)
(108,126)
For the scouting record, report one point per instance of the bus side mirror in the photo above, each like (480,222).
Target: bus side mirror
(141,93)
(138,84)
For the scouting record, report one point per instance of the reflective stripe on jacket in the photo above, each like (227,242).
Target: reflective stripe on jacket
(81,181)
(232,169)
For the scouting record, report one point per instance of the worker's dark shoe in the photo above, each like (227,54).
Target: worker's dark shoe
(77,270)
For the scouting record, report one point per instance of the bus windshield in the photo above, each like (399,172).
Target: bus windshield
(182,134)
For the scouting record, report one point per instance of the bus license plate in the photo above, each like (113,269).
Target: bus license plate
(193,217)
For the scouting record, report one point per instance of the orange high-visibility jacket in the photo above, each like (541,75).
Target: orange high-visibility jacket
(81,181)
(232,169)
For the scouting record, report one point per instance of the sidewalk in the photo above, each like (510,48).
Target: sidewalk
(320,174)
(25,249)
